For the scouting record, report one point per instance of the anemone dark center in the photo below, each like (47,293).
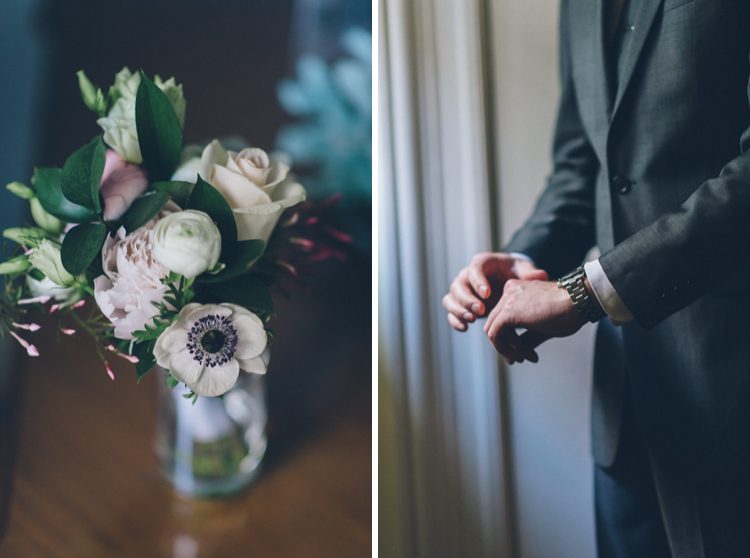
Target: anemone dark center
(213,341)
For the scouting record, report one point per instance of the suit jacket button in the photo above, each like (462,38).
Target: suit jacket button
(621,184)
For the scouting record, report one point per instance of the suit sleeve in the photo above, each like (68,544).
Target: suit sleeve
(684,254)
(561,228)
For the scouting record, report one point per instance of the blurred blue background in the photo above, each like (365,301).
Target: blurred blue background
(21,61)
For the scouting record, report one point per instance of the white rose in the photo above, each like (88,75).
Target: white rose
(254,185)
(120,131)
(46,258)
(187,242)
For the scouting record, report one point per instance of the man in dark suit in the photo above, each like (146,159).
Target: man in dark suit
(652,165)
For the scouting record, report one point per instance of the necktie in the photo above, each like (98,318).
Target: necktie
(614,33)
(614,16)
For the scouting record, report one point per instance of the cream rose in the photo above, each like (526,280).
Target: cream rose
(255,186)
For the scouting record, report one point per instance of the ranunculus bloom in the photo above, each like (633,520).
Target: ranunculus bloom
(207,346)
(255,186)
(121,184)
(187,242)
(132,281)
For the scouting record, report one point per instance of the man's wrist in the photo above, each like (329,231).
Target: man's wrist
(581,295)
(606,294)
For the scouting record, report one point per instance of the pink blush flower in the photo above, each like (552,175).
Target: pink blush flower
(120,185)
(132,281)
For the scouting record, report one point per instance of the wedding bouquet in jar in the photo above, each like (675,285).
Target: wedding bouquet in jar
(160,251)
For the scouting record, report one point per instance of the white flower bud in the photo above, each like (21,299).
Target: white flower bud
(28,237)
(46,258)
(19,264)
(47,287)
(21,190)
(46,221)
(92,96)
(187,243)
(120,131)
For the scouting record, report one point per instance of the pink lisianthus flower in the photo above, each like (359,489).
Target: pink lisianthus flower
(132,280)
(120,185)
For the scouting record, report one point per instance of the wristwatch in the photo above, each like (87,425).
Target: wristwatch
(583,301)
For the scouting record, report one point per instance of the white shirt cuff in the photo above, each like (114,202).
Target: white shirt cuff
(606,294)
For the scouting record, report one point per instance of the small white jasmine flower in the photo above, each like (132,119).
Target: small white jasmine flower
(208,345)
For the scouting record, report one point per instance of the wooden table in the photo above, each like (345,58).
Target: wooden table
(86,482)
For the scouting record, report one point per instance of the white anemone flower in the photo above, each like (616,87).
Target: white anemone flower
(208,345)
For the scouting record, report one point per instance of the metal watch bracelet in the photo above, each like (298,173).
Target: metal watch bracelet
(584,302)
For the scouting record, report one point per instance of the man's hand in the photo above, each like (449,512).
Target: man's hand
(541,307)
(478,286)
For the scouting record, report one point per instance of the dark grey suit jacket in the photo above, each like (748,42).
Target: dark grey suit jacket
(657,174)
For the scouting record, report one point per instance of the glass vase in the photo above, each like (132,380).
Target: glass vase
(212,447)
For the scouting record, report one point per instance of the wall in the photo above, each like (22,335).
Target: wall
(548,403)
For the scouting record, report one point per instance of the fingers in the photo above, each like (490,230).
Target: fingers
(512,347)
(457,310)
(465,295)
(533,339)
(456,324)
(502,334)
(478,279)
(525,269)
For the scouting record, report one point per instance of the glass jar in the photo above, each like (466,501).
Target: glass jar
(212,447)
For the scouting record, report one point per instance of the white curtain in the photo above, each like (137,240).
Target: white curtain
(442,477)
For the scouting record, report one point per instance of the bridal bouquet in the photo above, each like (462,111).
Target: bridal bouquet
(170,241)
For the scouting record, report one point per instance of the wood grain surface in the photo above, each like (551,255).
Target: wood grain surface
(86,481)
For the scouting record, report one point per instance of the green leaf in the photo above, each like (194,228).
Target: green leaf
(159,131)
(246,252)
(178,190)
(248,291)
(46,181)
(146,360)
(171,381)
(81,245)
(144,209)
(82,173)
(208,199)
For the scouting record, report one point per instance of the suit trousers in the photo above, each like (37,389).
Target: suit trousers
(628,516)
(645,508)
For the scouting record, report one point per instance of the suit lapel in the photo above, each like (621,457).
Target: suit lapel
(586,23)
(631,54)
